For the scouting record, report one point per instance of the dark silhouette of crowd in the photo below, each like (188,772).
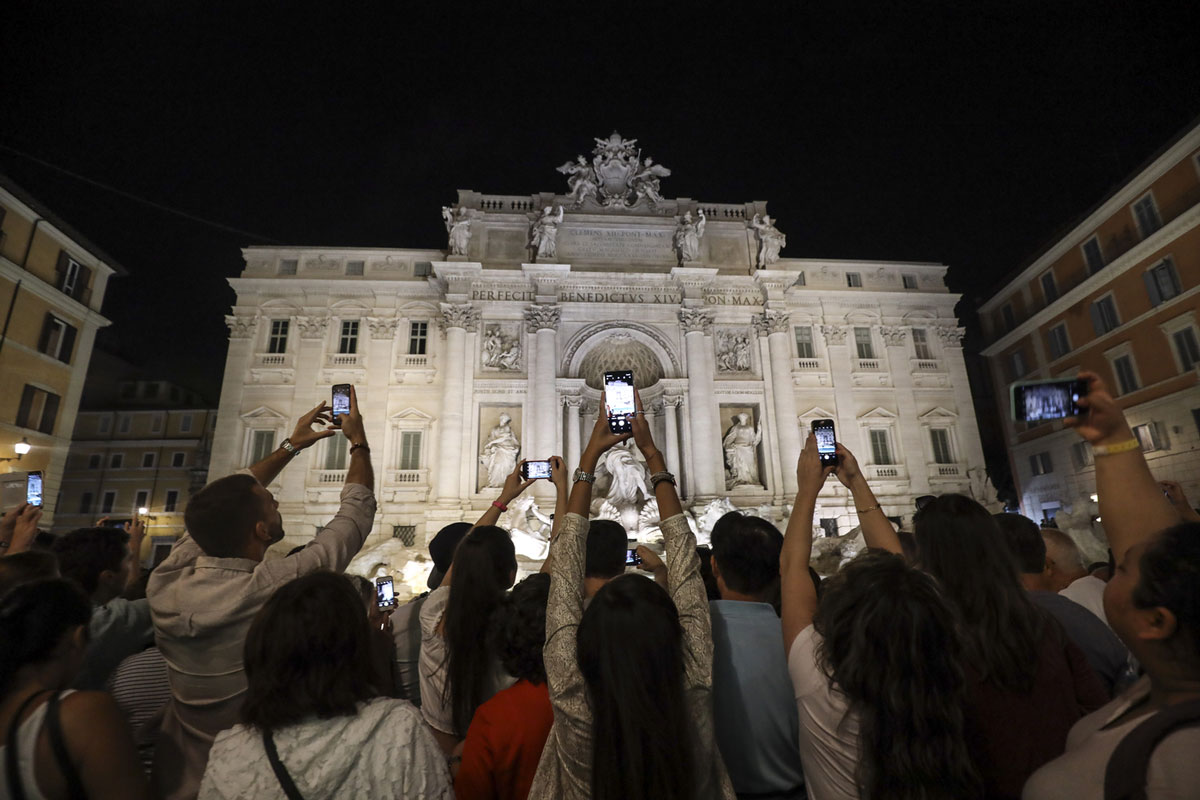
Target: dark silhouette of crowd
(973,656)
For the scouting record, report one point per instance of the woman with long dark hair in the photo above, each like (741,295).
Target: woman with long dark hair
(631,677)
(876,665)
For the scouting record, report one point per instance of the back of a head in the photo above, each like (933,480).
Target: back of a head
(630,653)
(878,618)
(1023,539)
(746,550)
(222,515)
(606,545)
(485,565)
(307,653)
(518,629)
(34,617)
(365,589)
(1062,550)
(960,544)
(1170,578)
(27,567)
(84,553)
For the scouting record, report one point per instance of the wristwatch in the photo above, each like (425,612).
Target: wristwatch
(586,477)
(286,444)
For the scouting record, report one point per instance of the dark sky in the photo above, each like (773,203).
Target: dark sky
(921,131)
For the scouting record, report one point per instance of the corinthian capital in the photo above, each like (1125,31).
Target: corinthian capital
(382,327)
(834,334)
(539,317)
(893,337)
(695,319)
(312,327)
(241,327)
(770,322)
(951,337)
(463,315)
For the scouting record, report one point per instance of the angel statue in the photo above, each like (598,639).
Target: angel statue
(582,182)
(770,240)
(687,237)
(458,226)
(543,236)
(645,182)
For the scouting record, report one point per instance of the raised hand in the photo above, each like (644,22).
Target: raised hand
(1102,421)
(514,484)
(558,474)
(650,560)
(304,436)
(602,438)
(847,469)
(641,428)
(352,421)
(1178,498)
(810,475)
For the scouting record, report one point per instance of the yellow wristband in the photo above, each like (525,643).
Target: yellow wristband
(1119,447)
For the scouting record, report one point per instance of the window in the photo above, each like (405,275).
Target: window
(1049,287)
(1186,348)
(804,341)
(172,500)
(1016,364)
(106,505)
(1162,281)
(940,438)
(141,499)
(38,409)
(1126,378)
(1081,454)
(335,453)
(277,342)
(407,534)
(921,344)
(418,334)
(94,461)
(1104,315)
(57,339)
(862,340)
(410,450)
(178,459)
(147,460)
(909,281)
(104,425)
(116,461)
(348,342)
(1149,436)
(288,266)
(156,423)
(185,423)
(1010,319)
(73,277)
(1146,214)
(1060,345)
(1040,464)
(261,445)
(354,267)
(1093,256)
(881,451)
(125,423)
(85,503)
(854,279)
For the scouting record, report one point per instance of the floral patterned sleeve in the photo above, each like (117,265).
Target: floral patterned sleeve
(687,591)
(563,612)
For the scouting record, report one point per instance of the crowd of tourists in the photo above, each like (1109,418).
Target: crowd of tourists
(973,656)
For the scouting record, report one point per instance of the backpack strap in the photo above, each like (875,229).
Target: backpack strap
(281,773)
(58,744)
(12,769)
(1125,776)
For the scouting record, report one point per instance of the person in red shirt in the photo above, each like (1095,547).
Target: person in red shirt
(507,734)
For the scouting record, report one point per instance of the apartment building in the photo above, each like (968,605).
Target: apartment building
(1118,295)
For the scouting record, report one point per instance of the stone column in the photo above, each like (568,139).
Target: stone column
(542,322)
(913,447)
(843,391)
(381,360)
(970,447)
(573,402)
(455,320)
(706,439)
(776,326)
(227,439)
(671,422)
(307,390)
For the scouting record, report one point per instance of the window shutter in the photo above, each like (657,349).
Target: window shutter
(1097,319)
(26,405)
(1152,287)
(47,327)
(49,412)
(81,283)
(60,268)
(67,345)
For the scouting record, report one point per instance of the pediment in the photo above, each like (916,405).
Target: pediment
(410,415)
(878,413)
(938,413)
(816,412)
(262,413)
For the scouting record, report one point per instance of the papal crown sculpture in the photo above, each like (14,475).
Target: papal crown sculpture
(617,176)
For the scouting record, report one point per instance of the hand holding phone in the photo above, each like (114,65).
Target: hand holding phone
(532,470)
(826,442)
(385,593)
(1039,401)
(33,488)
(618,396)
(632,559)
(341,403)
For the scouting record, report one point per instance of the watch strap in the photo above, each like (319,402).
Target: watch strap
(586,477)
(286,444)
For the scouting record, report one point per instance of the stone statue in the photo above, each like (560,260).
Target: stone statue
(543,235)
(741,457)
(500,351)
(646,181)
(583,183)
(499,456)
(687,237)
(458,226)
(733,352)
(627,477)
(529,527)
(770,240)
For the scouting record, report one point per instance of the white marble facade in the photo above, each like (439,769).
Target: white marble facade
(440,346)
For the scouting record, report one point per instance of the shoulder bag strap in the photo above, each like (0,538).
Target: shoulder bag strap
(12,768)
(281,773)
(1125,775)
(58,744)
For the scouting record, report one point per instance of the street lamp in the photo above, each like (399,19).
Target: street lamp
(20,448)
(143,511)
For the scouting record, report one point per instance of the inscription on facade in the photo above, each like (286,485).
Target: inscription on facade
(614,244)
(587,295)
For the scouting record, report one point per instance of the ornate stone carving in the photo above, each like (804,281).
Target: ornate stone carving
(241,327)
(770,240)
(582,181)
(464,316)
(695,320)
(616,171)
(458,228)
(733,351)
(951,336)
(499,452)
(543,234)
(770,322)
(539,317)
(571,401)
(383,327)
(501,351)
(741,453)
(312,327)
(893,337)
(672,400)
(645,182)
(687,237)
(834,334)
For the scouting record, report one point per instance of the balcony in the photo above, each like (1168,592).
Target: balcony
(868,365)
(414,368)
(810,372)
(274,360)
(406,486)
(946,473)
(870,372)
(926,365)
(324,477)
(272,368)
(886,472)
(345,360)
(413,362)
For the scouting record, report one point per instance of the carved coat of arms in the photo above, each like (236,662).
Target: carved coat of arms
(616,172)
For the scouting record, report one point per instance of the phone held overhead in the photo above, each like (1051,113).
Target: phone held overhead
(341,402)
(535,469)
(826,441)
(618,395)
(33,488)
(1036,401)
(385,593)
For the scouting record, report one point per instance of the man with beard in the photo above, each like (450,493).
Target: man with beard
(205,594)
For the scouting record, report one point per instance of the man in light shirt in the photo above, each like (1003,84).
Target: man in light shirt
(1067,574)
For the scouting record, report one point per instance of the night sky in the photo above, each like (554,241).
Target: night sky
(915,131)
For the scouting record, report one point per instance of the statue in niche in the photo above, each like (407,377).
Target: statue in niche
(733,352)
(770,240)
(500,351)
(646,181)
(741,453)
(582,181)
(499,456)
(543,236)
(458,226)
(687,237)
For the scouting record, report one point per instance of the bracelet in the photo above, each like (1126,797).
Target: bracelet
(659,477)
(496,503)
(287,445)
(862,511)
(360,446)
(1119,447)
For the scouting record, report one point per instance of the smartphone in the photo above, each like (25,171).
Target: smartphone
(535,469)
(632,559)
(341,402)
(1035,401)
(33,488)
(826,442)
(119,524)
(385,593)
(618,394)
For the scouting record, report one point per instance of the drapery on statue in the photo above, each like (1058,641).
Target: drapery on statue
(770,240)
(499,456)
(687,237)
(543,235)
(582,181)
(458,226)
(741,458)
(646,181)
